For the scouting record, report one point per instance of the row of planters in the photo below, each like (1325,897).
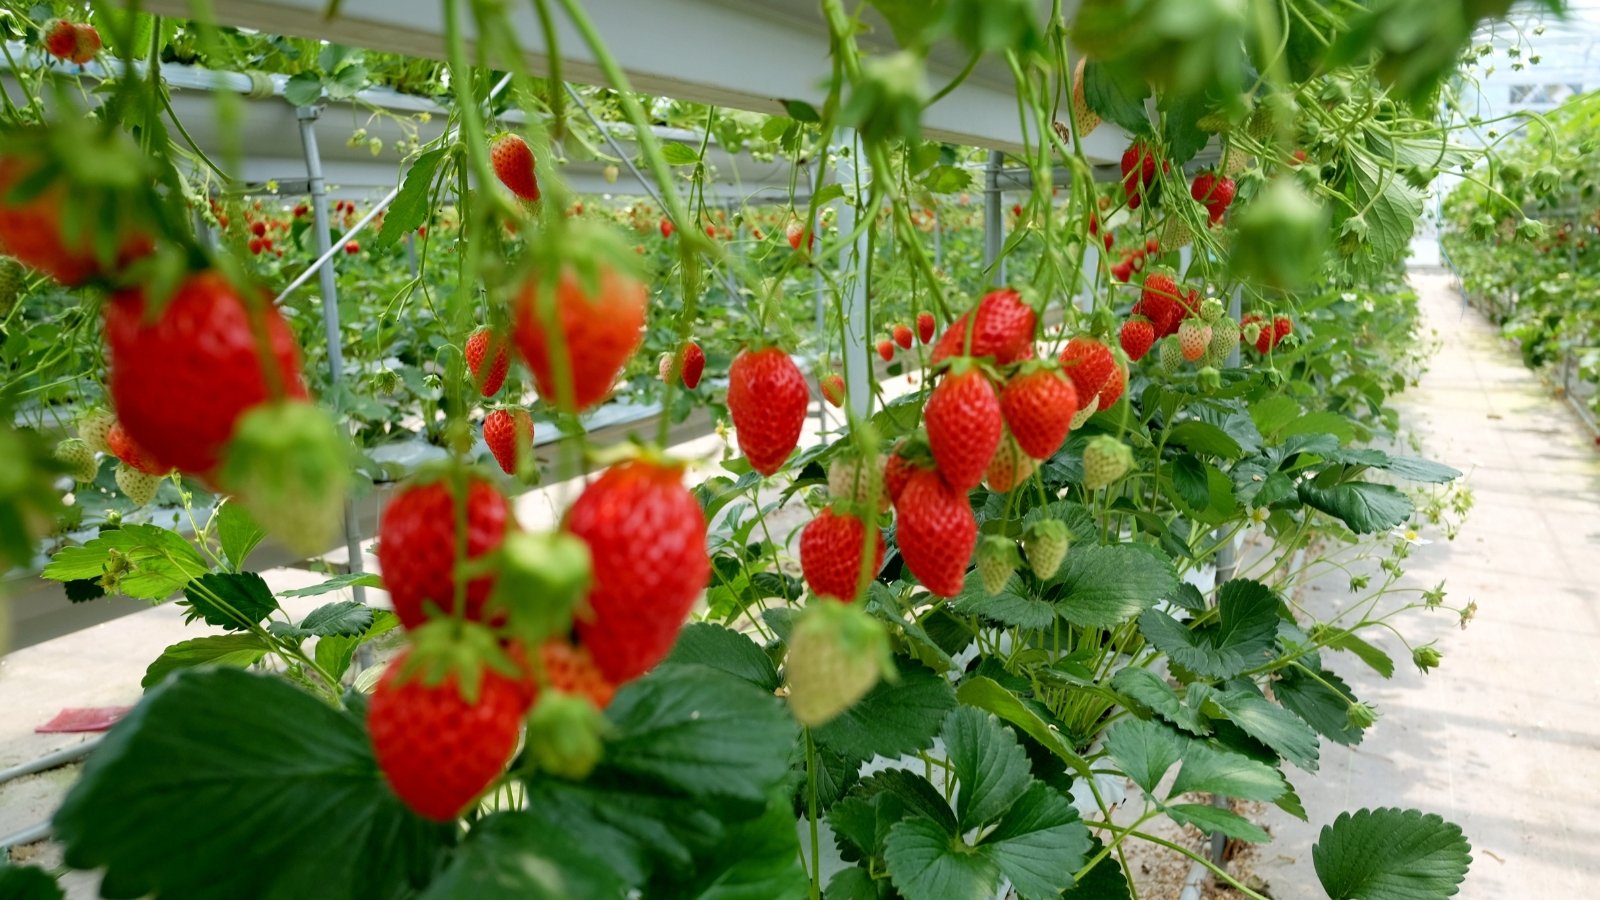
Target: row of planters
(1537,277)
(1005,586)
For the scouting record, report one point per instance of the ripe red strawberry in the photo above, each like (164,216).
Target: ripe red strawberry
(832,386)
(666,228)
(1112,390)
(1137,336)
(1281,328)
(886,350)
(902,336)
(830,554)
(438,751)
(1161,301)
(767,398)
(121,445)
(897,470)
(963,422)
(181,382)
(1038,404)
(925,327)
(1122,271)
(31,230)
(694,365)
(647,543)
(417,547)
(571,670)
(1194,336)
(1090,366)
(937,532)
(508,432)
(598,333)
(513,163)
(1214,191)
(1003,330)
(1138,172)
(480,344)
(60,38)
(352,247)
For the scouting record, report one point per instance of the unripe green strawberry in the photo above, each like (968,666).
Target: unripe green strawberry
(1194,337)
(1175,233)
(1209,379)
(93,427)
(836,654)
(1171,356)
(1211,309)
(12,277)
(1083,414)
(140,487)
(1260,126)
(1084,119)
(1224,338)
(1045,542)
(79,459)
(564,735)
(1105,460)
(290,467)
(851,481)
(997,562)
(1234,162)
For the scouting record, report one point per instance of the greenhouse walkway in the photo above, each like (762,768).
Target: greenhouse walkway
(1504,737)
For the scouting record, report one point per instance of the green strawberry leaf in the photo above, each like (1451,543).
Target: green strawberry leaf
(237,533)
(1150,691)
(1284,732)
(1212,819)
(212,747)
(988,762)
(1322,707)
(1363,506)
(706,644)
(158,562)
(1105,881)
(410,208)
(342,618)
(897,716)
(232,600)
(516,855)
(336,583)
(765,863)
(1391,854)
(1103,586)
(1039,844)
(1243,639)
(1144,751)
(924,866)
(1117,93)
(28,883)
(239,650)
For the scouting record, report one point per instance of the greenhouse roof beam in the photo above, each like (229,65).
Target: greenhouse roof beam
(736,54)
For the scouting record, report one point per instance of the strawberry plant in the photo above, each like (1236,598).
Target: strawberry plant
(1054,552)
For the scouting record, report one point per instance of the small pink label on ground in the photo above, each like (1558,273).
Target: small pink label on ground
(97,718)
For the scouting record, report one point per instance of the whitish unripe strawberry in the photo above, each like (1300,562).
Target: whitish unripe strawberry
(93,426)
(997,562)
(139,487)
(1105,460)
(1224,338)
(852,481)
(1171,355)
(1045,542)
(78,458)
(836,654)
(290,466)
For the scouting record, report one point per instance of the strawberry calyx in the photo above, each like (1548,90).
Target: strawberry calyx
(447,648)
(541,577)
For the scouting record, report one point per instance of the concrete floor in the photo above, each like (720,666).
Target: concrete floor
(1504,738)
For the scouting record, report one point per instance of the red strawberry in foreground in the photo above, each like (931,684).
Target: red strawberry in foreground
(925,326)
(1038,404)
(437,750)
(830,554)
(694,365)
(1003,330)
(31,230)
(181,382)
(417,547)
(508,432)
(86,43)
(572,670)
(513,163)
(767,398)
(1161,301)
(647,545)
(963,422)
(123,447)
(832,387)
(1090,366)
(597,334)
(1137,337)
(902,336)
(886,350)
(485,344)
(1194,337)
(937,532)
(897,470)
(1138,172)
(1281,328)
(1111,391)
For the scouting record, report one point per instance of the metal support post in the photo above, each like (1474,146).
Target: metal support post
(993,221)
(330,306)
(852,170)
